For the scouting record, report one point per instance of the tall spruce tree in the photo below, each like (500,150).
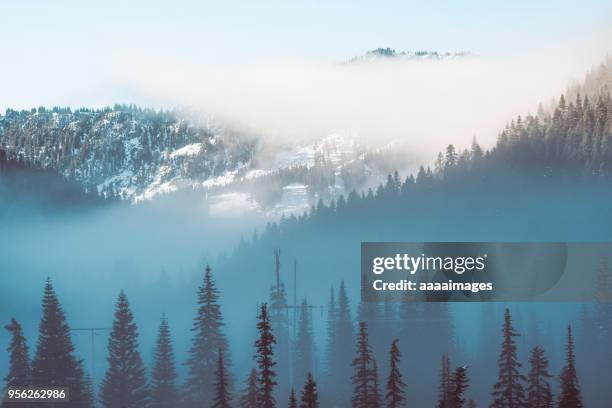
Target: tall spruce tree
(570,395)
(445,386)
(250,394)
(328,392)
(304,347)
(292,400)
(310,396)
(125,384)
(341,356)
(460,383)
(265,360)
(164,392)
(19,373)
(538,388)
(508,391)
(363,366)
(223,397)
(208,339)
(395,385)
(280,326)
(54,364)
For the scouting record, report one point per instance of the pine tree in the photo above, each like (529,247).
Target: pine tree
(265,360)
(208,339)
(163,388)
(459,384)
(310,397)
(280,326)
(450,160)
(54,364)
(222,395)
(328,389)
(472,404)
(250,394)
(395,385)
(508,392)
(304,347)
(292,399)
(19,374)
(444,388)
(341,356)
(538,388)
(124,384)
(363,366)
(570,395)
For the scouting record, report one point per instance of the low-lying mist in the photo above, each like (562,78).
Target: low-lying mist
(151,250)
(425,103)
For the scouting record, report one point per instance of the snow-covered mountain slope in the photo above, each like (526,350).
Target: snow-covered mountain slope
(137,154)
(125,151)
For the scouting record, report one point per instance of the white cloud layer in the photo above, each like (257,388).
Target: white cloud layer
(427,104)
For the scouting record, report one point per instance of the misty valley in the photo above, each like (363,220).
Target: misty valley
(163,258)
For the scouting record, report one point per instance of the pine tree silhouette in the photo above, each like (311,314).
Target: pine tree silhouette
(328,391)
(292,399)
(341,356)
(124,384)
(54,364)
(445,386)
(310,397)
(164,392)
(508,392)
(304,347)
(19,373)
(265,360)
(460,383)
(222,395)
(538,388)
(250,394)
(395,385)
(208,339)
(570,395)
(280,326)
(363,366)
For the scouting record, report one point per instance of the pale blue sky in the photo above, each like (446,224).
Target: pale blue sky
(63,52)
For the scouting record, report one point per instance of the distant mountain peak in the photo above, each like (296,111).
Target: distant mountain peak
(390,53)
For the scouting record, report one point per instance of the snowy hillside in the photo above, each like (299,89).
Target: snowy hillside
(137,154)
(124,151)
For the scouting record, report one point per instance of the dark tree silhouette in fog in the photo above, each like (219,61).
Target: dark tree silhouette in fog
(570,395)
(19,374)
(395,385)
(164,392)
(265,359)
(54,363)
(124,384)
